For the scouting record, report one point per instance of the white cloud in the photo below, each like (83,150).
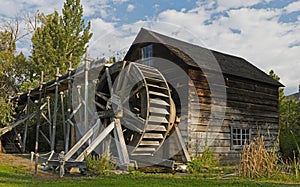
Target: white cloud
(156,7)
(102,9)
(109,40)
(9,8)
(229,4)
(130,8)
(192,20)
(293,7)
(263,40)
(119,1)
(97,8)
(16,8)
(103,13)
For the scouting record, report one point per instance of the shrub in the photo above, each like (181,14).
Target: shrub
(289,139)
(202,163)
(99,165)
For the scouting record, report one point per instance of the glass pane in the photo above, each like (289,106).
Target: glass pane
(240,136)
(147,55)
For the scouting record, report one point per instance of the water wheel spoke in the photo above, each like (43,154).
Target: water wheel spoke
(133,121)
(109,81)
(137,90)
(106,113)
(102,96)
(99,105)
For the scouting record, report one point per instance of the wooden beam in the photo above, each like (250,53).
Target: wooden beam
(79,144)
(15,124)
(182,144)
(96,142)
(120,142)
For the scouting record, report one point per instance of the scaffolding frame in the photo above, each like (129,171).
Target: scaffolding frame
(55,98)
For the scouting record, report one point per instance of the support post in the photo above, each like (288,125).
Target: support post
(67,143)
(86,91)
(121,146)
(55,111)
(63,114)
(182,145)
(27,121)
(36,162)
(49,117)
(38,123)
(79,103)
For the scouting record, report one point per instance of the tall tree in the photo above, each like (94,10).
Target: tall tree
(59,40)
(289,120)
(289,109)
(12,71)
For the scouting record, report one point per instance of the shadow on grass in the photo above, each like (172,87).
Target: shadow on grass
(12,176)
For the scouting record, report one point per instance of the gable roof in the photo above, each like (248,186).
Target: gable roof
(205,58)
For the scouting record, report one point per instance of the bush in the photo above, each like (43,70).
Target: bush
(289,139)
(99,165)
(203,163)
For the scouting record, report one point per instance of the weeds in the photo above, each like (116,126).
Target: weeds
(296,159)
(296,165)
(257,161)
(204,162)
(100,165)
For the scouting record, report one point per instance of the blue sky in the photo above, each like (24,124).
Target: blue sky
(265,32)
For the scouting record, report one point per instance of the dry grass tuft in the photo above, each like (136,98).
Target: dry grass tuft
(258,161)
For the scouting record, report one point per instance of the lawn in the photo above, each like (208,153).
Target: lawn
(14,172)
(20,176)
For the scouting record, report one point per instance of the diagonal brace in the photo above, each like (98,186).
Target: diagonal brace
(96,142)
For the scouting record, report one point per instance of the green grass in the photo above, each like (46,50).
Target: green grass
(141,181)
(19,176)
(14,176)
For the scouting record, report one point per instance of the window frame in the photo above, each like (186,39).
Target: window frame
(239,133)
(147,54)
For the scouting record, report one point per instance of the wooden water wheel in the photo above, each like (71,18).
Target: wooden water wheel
(140,97)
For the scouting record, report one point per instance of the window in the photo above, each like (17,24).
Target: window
(240,136)
(147,55)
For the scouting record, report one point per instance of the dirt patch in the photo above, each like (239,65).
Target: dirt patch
(14,160)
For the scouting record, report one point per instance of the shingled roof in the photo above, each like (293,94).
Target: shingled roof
(205,58)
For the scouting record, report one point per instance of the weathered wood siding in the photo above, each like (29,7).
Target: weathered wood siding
(248,103)
(254,103)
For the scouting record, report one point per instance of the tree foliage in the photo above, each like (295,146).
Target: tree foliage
(289,127)
(61,39)
(281,95)
(12,71)
(289,122)
(58,40)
